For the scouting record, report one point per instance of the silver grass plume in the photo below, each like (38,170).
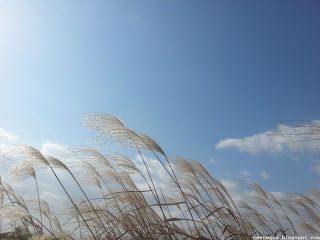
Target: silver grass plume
(2,194)
(12,213)
(25,168)
(87,174)
(33,203)
(55,222)
(89,154)
(58,235)
(110,126)
(101,164)
(55,163)
(22,170)
(122,163)
(26,153)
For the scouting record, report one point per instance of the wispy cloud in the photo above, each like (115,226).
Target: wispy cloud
(7,137)
(244,173)
(280,195)
(316,169)
(212,160)
(53,149)
(253,144)
(159,175)
(264,175)
(234,189)
(287,138)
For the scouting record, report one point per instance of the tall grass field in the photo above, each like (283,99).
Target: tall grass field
(113,198)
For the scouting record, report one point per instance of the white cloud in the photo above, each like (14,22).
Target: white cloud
(53,149)
(316,169)
(235,190)
(253,144)
(264,174)
(7,137)
(291,139)
(212,160)
(228,184)
(49,196)
(159,175)
(279,194)
(244,173)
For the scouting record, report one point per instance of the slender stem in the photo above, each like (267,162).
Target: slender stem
(35,178)
(175,179)
(13,205)
(75,206)
(43,226)
(88,200)
(155,194)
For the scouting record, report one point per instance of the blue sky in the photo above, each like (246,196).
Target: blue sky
(187,73)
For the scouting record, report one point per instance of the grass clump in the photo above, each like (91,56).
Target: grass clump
(110,205)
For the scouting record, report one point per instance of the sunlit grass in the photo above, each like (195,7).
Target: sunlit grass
(193,205)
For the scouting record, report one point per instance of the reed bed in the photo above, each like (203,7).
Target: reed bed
(110,205)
